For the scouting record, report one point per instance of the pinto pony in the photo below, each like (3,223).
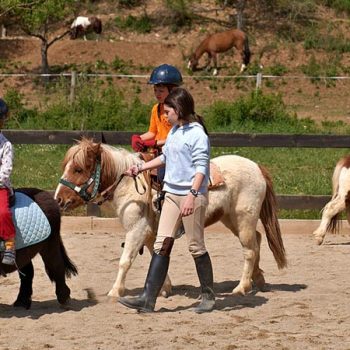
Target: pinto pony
(221,42)
(247,195)
(339,202)
(58,266)
(83,25)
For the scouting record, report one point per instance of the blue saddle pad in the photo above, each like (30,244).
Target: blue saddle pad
(32,225)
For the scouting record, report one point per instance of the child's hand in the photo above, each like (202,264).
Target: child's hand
(150,143)
(137,144)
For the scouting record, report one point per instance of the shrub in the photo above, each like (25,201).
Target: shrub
(142,24)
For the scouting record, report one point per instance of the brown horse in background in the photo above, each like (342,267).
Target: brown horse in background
(221,42)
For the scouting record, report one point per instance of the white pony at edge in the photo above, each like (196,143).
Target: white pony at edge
(340,200)
(246,196)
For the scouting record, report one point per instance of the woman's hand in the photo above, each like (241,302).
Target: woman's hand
(134,170)
(188,205)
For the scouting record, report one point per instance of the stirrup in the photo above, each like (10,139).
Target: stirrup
(180,232)
(9,257)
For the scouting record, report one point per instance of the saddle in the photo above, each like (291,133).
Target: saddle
(32,225)
(216,178)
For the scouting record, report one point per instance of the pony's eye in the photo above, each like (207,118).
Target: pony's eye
(78,170)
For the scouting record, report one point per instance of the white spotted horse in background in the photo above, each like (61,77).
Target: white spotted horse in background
(92,169)
(83,25)
(339,202)
(221,42)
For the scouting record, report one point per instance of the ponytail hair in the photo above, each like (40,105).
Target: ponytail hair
(182,102)
(200,120)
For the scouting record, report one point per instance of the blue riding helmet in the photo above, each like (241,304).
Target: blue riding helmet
(165,74)
(3,109)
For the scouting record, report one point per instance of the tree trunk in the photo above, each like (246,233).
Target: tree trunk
(240,9)
(45,69)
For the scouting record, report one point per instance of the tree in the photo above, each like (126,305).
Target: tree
(38,18)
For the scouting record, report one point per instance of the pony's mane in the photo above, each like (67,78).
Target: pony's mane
(114,161)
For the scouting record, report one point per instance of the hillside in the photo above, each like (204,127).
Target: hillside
(277,44)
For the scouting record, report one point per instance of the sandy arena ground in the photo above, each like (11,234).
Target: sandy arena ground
(306,305)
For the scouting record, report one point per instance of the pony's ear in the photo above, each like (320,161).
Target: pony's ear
(96,147)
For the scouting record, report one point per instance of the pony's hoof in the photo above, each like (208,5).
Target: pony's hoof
(319,240)
(165,293)
(260,284)
(26,304)
(240,290)
(115,294)
(67,305)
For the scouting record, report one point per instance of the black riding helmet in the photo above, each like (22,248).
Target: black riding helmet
(3,109)
(165,74)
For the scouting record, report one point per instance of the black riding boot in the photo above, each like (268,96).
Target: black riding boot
(157,272)
(205,275)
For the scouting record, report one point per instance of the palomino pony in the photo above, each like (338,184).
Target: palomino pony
(83,25)
(90,168)
(52,251)
(221,42)
(340,200)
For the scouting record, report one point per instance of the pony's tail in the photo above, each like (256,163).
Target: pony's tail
(268,217)
(69,267)
(246,52)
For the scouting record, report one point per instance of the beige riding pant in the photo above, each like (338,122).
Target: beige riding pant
(170,221)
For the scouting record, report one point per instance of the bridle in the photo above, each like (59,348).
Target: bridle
(82,190)
(95,178)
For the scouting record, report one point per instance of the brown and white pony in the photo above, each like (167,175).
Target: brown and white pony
(83,25)
(247,195)
(221,42)
(340,200)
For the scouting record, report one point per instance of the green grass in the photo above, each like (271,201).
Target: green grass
(298,171)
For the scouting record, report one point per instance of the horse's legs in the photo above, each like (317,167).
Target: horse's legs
(134,241)
(335,206)
(258,276)
(55,268)
(207,63)
(246,229)
(215,62)
(24,298)
(241,52)
(348,213)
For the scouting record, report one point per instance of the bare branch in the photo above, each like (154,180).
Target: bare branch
(59,37)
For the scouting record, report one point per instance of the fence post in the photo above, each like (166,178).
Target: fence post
(258,81)
(3,31)
(73,82)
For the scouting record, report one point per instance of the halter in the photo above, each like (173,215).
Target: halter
(82,190)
